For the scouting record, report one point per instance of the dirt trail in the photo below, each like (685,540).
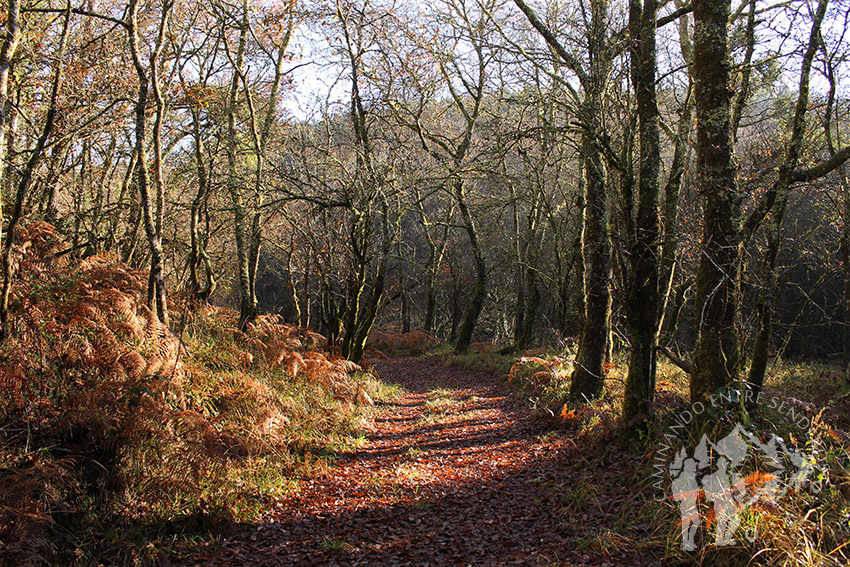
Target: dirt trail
(457,472)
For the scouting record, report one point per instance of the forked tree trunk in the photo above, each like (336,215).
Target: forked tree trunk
(156,282)
(199,260)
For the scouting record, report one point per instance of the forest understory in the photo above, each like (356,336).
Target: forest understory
(126,444)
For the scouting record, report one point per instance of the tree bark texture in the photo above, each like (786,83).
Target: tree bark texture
(589,374)
(716,354)
(643,292)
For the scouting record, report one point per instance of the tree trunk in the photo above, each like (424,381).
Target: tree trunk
(716,350)
(670,247)
(54,184)
(588,378)
(845,260)
(435,260)
(306,310)
(476,303)
(532,304)
(156,282)
(247,300)
(589,374)
(156,286)
(667,321)
(11,38)
(519,271)
(643,293)
(26,176)
(198,258)
(781,190)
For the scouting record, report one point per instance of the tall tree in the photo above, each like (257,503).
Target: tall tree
(643,293)
(589,374)
(36,155)
(150,214)
(716,356)
(11,38)
(235,183)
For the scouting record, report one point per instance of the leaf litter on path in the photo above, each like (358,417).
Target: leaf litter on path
(456,472)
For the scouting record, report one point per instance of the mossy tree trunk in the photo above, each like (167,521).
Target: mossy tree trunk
(716,351)
(589,375)
(643,293)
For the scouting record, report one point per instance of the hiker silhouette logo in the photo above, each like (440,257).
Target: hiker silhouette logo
(710,483)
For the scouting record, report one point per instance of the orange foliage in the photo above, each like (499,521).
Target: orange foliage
(95,328)
(92,366)
(540,378)
(758,478)
(838,435)
(414,342)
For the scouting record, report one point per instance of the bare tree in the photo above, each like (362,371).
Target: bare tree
(589,375)
(151,203)
(36,155)
(776,200)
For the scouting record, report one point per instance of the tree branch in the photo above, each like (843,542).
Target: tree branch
(553,42)
(683,364)
(79,12)
(674,15)
(822,168)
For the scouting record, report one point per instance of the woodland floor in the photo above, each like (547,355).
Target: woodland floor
(458,471)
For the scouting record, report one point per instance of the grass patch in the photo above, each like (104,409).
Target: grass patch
(491,362)
(339,546)
(804,527)
(438,403)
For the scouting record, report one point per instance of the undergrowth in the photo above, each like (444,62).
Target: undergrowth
(483,361)
(803,412)
(413,343)
(119,437)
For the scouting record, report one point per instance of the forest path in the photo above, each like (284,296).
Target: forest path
(456,472)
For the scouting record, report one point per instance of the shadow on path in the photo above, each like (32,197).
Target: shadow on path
(480,481)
